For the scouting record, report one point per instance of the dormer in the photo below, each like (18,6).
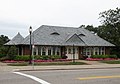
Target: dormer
(81,35)
(54,33)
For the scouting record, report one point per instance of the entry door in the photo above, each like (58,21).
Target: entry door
(69,53)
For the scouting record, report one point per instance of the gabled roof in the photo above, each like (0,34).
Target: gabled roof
(81,37)
(16,40)
(76,40)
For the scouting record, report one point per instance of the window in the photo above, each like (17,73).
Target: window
(65,50)
(34,51)
(43,51)
(39,50)
(69,51)
(54,50)
(49,50)
(96,50)
(58,50)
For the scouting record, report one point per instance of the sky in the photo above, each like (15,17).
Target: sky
(18,15)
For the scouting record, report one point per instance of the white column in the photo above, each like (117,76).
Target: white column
(46,49)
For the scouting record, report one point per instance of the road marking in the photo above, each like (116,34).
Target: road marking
(98,77)
(32,77)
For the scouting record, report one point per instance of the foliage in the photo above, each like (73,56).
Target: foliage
(4,58)
(12,52)
(47,57)
(3,39)
(110,30)
(43,57)
(53,57)
(104,56)
(4,50)
(22,58)
(99,56)
(113,56)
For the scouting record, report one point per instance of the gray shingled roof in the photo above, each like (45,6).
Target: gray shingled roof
(46,35)
(16,40)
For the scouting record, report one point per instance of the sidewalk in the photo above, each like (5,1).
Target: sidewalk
(94,65)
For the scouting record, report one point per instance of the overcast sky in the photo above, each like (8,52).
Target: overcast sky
(18,15)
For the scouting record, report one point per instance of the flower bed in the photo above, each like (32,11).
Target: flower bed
(100,59)
(56,60)
(12,61)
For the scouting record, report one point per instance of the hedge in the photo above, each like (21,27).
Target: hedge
(104,56)
(44,57)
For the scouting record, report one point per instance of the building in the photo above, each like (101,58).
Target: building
(55,40)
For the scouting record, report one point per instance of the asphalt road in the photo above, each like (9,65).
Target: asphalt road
(84,76)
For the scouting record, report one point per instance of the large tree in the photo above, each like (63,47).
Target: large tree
(110,29)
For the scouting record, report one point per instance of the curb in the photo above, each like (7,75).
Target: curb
(63,69)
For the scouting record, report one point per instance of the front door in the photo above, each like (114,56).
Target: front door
(69,52)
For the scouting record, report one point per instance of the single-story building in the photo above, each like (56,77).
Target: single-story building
(56,40)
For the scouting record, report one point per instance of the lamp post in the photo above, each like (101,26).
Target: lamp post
(30,59)
(73,53)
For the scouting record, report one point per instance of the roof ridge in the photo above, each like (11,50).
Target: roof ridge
(60,26)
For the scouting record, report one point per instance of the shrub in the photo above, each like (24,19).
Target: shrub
(47,57)
(113,56)
(2,55)
(55,57)
(100,56)
(23,58)
(103,56)
(4,58)
(37,57)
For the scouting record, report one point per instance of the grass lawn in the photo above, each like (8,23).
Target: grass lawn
(47,63)
(112,62)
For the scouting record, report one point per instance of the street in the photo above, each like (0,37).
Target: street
(83,76)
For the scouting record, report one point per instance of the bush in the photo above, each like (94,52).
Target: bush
(2,55)
(47,57)
(103,56)
(113,56)
(4,58)
(53,57)
(22,58)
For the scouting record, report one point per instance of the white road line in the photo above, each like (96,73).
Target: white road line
(32,77)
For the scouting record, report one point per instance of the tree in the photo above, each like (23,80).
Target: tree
(110,29)
(92,28)
(3,40)
(3,49)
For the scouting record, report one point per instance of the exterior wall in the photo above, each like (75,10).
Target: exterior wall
(26,50)
(107,51)
(80,52)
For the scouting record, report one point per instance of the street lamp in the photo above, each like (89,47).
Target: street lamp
(30,59)
(73,53)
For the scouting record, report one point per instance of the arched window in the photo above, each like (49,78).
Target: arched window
(43,51)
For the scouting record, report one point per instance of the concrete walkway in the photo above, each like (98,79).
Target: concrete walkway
(93,65)
(90,62)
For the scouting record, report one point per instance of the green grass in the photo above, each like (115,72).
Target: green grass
(112,62)
(48,63)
